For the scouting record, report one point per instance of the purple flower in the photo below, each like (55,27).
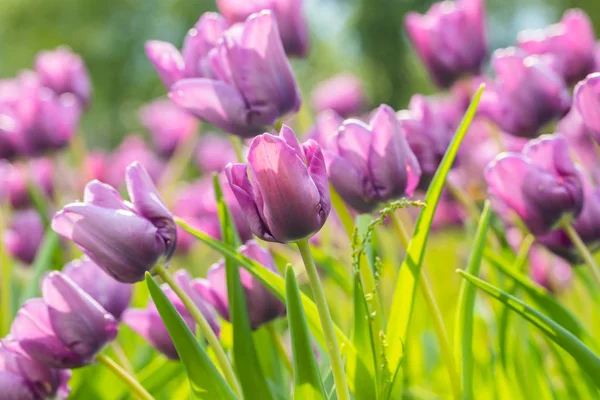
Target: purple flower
(289,14)
(263,306)
(214,152)
(541,185)
(283,190)
(449,39)
(587,102)
(111,294)
(570,42)
(551,272)
(253,84)
(15,179)
(65,329)
(581,142)
(326,126)
(22,378)
(372,164)
(342,93)
(124,239)
(63,71)
(24,235)
(9,132)
(148,324)
(169,125)
(132,149)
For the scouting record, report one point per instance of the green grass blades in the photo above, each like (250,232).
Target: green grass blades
(585,358)
(245,359)
(42,263)
(463,329)
(407,281)
(307,380)
(205,380)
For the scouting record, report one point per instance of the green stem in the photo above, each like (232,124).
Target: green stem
(238,147)
(121,357)
(280,348)
(333,347)
(137,389)
(205,327)
(583,250)
(6,280)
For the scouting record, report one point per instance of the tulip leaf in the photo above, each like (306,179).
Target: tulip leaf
(245,358)
(206,381)
(409,274)
(307,380)
(585,358)
(42,263)
(466,306)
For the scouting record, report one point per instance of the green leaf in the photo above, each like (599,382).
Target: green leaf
(463,327)
(205,379)
(587,360)
(43,262)
(307,380)
(407,281)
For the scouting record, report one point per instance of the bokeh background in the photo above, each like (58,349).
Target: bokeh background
(362,36)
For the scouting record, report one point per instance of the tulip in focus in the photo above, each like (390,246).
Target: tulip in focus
(343,94)
(24,235)
(214,152)
(125,239)
(587,102)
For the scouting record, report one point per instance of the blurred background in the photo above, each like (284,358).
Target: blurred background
(362,36)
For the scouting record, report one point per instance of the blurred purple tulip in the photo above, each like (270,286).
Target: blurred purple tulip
(111,294)
(587,102)
(9,132)
(214,152)
(570,42)
(253,85)
(125,239)
(282,190)
(448,212)
(95,166)
(63,71)
(16,178)
(24,235)
(541,185)
(449,39)
(263,306)
(581,142)
(342,93)
(64,329)
(551,272)
(169,125)
(326,126)
(132,149)
(526,95)
(148,324)
(372,164)
(22,378)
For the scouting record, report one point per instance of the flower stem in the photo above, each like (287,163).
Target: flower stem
(136,388)
(280,348)
(121,357)
(583,250)
(333,347)
(6,278)
(205,327)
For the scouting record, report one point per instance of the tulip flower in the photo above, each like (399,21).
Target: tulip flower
(343,94)
(9,132)
(289,14)
(64,329)
(587,102)
(124,239)
(548,271)
(449,39)
(253,85)
(213,153)
(63,71)
(111,294)
(132,149)
(16,178)
(570,42)
(527,94)
(283,190)
(263,306)
(541,185)
(581,142)
(326,126)
(21,377)
(148,324)
(372,164)
(24,235)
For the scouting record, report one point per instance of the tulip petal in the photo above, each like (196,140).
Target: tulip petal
(148,325)
(103,195)
(505,176)
(198,42)
(167,61)
(318,173)
(587,101)
(551,153)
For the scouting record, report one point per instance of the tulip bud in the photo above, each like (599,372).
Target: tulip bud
(263,306)
(587,102)
(9,132)
(125,239)
(253,85)
(111,294)
(132,149)
(449,39)
(581,142)
(64,329)
(24,235)
(343,94)
(372,164)
(286,197)
(16,178)
(213,153)
(541,185)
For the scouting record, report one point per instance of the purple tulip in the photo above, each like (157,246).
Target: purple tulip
(15,179)
(285,197)
(95,166)
(263,306)
(551,272)
(570,42)
(24,235)
(448,212)
(253,84)
(213,153)
(148,324)
(449,39)
(581,141)
(22,378)
(290,17)
(541,185)
(169,125)
(63,71)
(372,164)
(65,329)
(343,94)
(132,149)
(326,126)
(9,132)
(111,294)
(124,239)
(587,102)
(526,95)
